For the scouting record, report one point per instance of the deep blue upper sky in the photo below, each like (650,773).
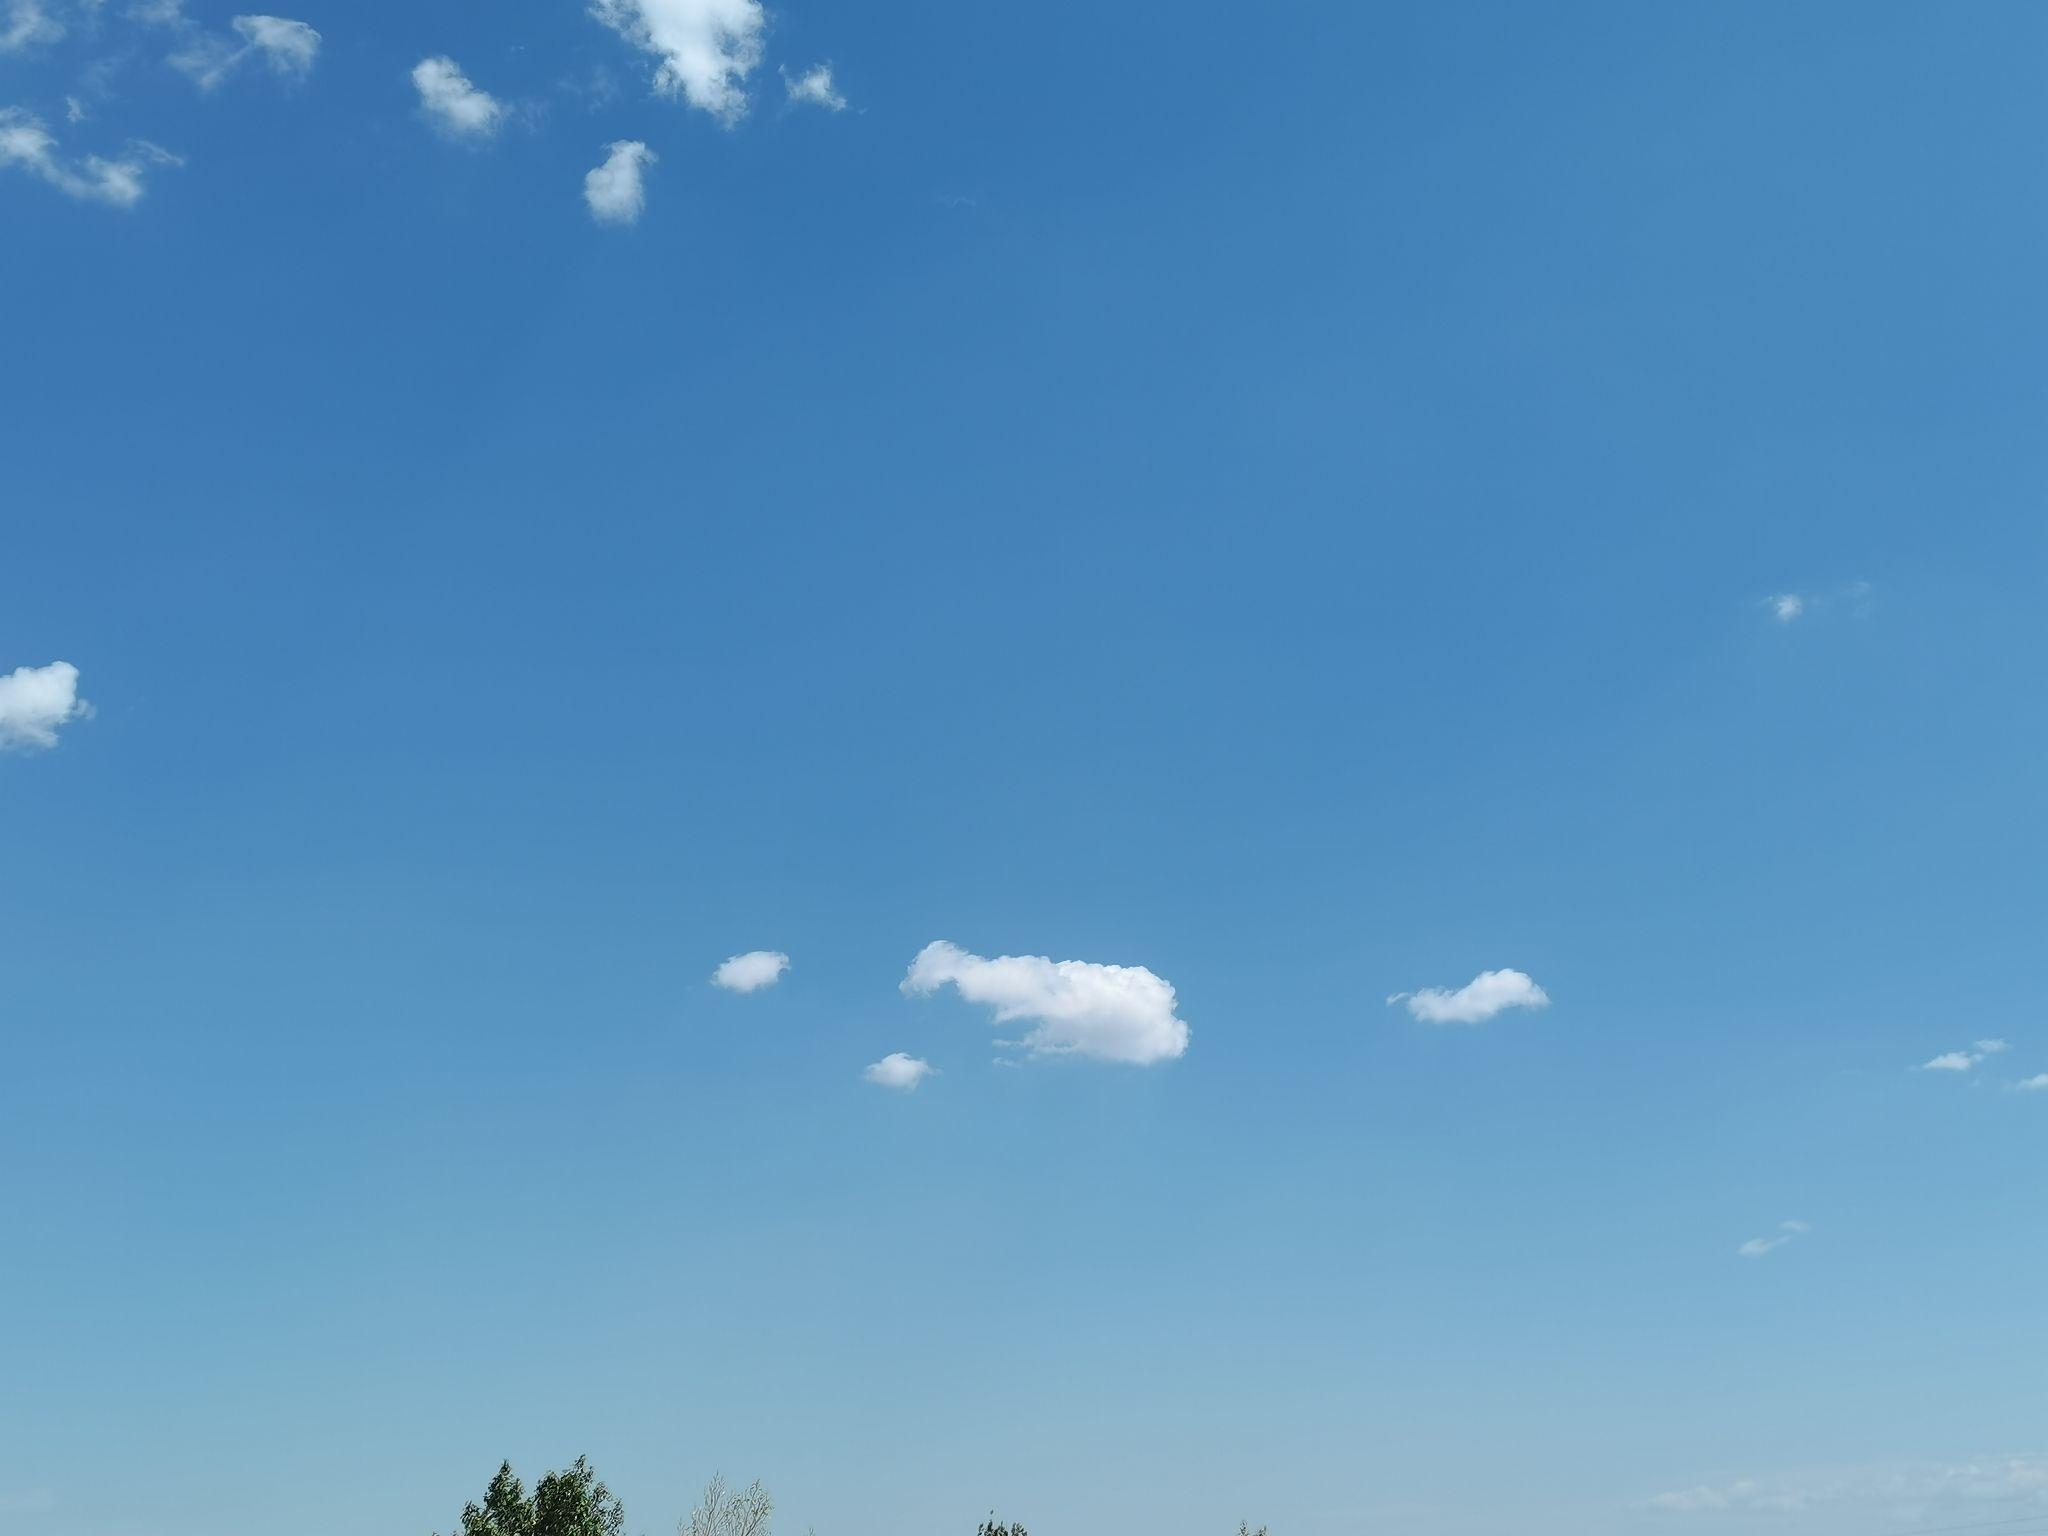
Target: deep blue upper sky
(1296,498)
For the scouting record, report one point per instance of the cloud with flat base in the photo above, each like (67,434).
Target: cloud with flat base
(750,972)
(1074,1007)
(1483,997)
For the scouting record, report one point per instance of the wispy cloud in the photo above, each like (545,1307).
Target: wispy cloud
(1485,995)
(1854,598)
(1075,1007)
(452,103)
(2035,1084)
(28,145)
(1788,1231)
(814,88)
(898,1071)
(750,972)
(1919,1493)
(616,190)
(35,702)
(288,47)
(707,48)
(25,23)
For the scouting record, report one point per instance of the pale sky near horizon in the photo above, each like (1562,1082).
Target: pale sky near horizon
(1141,764)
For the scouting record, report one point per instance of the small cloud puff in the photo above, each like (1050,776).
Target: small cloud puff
(1487,994)
(454,105)
(616,191)
(2036,1084)
(1786,607)
(814,88)
(750,972)
(1963,1061)
(35,701)
(898,1071)
(1787,1232)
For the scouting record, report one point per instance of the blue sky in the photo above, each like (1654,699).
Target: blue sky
(1309,505)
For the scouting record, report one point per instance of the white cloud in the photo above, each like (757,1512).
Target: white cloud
(750,972)
(1075,1007)
(455,105)
(616,191)
(898,1071)
(814,87)
(1488,993)
(35,701)
(2036,1084)
(27,144)
(288,47)
(1963,1061)
(1861,1497)
(1856,597)
(707,47)
(1787,1231)
(24,23)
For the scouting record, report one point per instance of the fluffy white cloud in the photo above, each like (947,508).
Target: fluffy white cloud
(455,105)
(898,1071)
(1787,1231)
(616,191)
(2036,1084)
(1488,993)
(814,87)
(1075,1007)
(707,48)
(24,23)
(27,145)
(1963,1061)
(750,972)
(288,47)
(35,701)
(1785,606)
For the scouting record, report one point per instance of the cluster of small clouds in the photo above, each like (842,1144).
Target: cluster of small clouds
(1979,1052)
(1789,607)
(1916,1492)
(1788,1232)
(36,702)
(706,51)
(705,54)
(288,48)
(1121,1013)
